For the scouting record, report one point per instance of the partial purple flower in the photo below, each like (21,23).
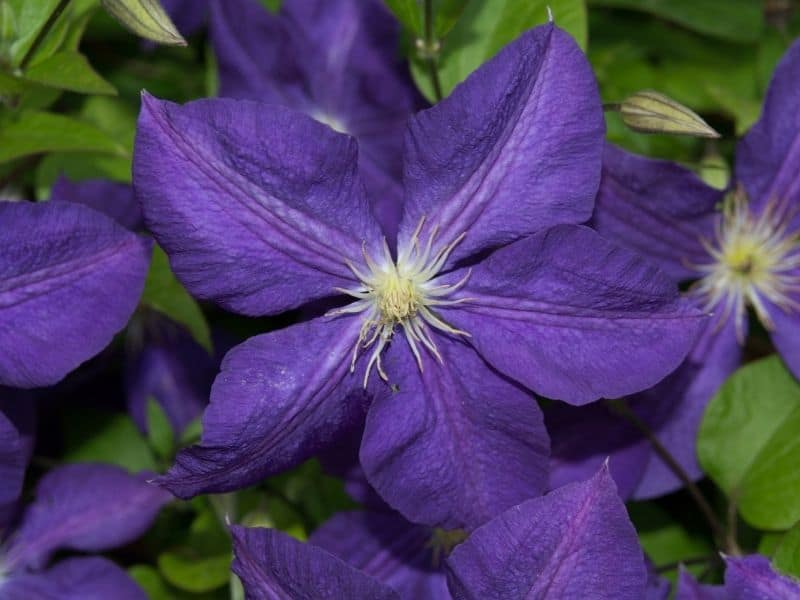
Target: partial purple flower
(337,61)
(17,424)
(575,542)
(70,278)
(113,199)
(747,578)
(493,291)
(189,16)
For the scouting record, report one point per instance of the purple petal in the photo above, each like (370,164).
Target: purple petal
(455,445)
(658,588)
(92,578)
(387,547)
(84,507)
(341,460)
(690,589)
(273,565)
(115,200)
(189,16)
(280,398)
(656,208)
(753,578)
(258,207)
(17,429)
(513,150)
(785,332)
(574,542)
(574,317)
(70,278)
(768,157)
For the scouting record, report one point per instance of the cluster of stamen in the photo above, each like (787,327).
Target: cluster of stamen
(402,293)
(754,257)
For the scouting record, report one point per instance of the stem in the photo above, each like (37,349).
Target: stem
(621,408)
(430,53)
(43,33)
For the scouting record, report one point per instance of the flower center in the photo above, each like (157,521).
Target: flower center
(402,293)
(754,257)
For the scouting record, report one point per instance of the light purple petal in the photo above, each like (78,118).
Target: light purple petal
(273,565)
(84,507)
(258,207)
(92,578)
(115,200)
(656,208)
(574,317)
(575,542)
(514,149)
(455,445)
(689,589)
(389,548)
(753,578)
(280,398)
(70,278)
(768,157)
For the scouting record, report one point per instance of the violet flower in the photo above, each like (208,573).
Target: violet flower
(70,278)
(491,293)
(745,256)
(747,578)
(335,60)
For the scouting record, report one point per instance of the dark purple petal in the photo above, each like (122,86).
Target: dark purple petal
(70,278)
(92,578)
(189,16)
(257,206)
(785,332)
(656,208)
(689,589)
(273,565)
(574,541)
(280,398)
(456,444)
(84,507)
(17,425)
(513,150)
(753,578)
(341,460)
(389,548)
(574,317)
(768,157)
(658,587)
(115,200)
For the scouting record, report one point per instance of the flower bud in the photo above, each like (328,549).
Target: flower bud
(651,112)
(145,18)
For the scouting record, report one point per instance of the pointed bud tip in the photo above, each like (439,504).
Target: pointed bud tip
(652,112)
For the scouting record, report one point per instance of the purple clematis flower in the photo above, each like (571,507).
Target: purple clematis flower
(70,277)
(747,578)
(89,508)
(744,256)
(335,60)
(492,291)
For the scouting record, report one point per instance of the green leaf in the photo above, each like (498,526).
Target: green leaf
(747,440)
(164,293)
(71,71)
(97,436)
(787,554)
(409,13)
(151,582)
(79,167)
(485,27)
(145,18)
(34,132)
(192,432)
(29,18)
(159,430)
(736,20)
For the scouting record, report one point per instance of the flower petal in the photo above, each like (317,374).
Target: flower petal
(91,578)
(115,200)
(752,577)
(16,443)
(690,589)
(258,207)
(387,547)
(70,278)
(656,208)
(575,540)
(574,317)
(768,157)
(784,332)
(514,149)
(273,565)
(84,507)
(456,444)
(280,398)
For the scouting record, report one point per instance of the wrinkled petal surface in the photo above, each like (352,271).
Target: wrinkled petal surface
(574,317)
(456,444)
(280,398)
(574,541)
(257,206)
(84,507)
(115,200)
(753,578)
(273,565)
(388,548)
(513,150)
(656,208)
(70,278)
